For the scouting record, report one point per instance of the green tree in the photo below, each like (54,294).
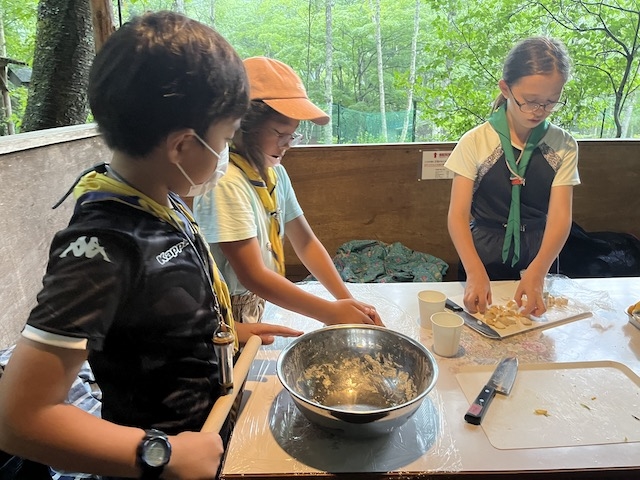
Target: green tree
(458,48)
(62,59)
(18,40)
(462,62)
(19,28)
(328,80)
(380,69)
(606,40)
(411,81)
(459,81)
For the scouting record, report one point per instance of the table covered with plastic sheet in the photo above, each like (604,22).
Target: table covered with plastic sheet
(272,439)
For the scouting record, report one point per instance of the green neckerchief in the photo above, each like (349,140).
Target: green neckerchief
(267,194)
(518,169)
(94,181)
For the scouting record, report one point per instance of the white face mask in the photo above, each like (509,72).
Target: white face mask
(223,163)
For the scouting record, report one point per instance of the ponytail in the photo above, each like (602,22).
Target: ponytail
(498,102)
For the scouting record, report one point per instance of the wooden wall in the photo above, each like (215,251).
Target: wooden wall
(370,192)
(347,193)
(374,192)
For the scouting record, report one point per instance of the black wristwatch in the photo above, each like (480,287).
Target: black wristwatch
(154,452)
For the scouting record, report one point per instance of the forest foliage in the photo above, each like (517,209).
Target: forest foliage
(459,50)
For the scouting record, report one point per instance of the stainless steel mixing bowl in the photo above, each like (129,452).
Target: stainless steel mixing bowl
(362,380)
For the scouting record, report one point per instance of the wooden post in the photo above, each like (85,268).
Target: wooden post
(102,19)
(4,81)
(6,98)
(4,90)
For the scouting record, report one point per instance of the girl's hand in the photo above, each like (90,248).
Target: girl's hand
(349,310)
(371,312)
(477,292)
(532,286)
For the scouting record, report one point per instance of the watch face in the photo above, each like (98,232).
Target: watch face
(156,453)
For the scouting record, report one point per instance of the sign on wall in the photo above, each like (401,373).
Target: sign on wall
(433,165)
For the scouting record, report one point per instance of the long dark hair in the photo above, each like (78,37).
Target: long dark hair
(534,56)
(257,115)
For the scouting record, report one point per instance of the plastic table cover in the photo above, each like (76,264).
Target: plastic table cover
(273,439)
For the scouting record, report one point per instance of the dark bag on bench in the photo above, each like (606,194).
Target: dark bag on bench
(600,254)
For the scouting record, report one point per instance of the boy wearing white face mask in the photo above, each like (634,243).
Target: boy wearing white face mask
(221,169)
(130,283)
(247,217)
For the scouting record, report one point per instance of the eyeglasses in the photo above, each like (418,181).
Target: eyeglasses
(287,140)
(530,107)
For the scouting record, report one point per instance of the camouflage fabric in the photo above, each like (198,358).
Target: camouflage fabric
(372,261)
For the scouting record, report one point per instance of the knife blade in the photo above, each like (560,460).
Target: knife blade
(501,381)
(472,322)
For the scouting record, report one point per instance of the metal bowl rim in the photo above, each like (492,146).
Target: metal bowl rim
(417,400)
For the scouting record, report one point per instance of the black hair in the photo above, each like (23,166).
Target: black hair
(534,56)
(162,72)
(256,116)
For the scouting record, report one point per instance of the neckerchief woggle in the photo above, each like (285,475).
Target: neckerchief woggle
(518,169)
(267,193)
(95,185)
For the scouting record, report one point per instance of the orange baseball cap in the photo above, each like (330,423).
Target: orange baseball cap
(277,85)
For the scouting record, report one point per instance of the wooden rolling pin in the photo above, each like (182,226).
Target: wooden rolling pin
(222,407)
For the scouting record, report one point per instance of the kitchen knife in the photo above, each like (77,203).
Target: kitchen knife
(501,381)
(472,322)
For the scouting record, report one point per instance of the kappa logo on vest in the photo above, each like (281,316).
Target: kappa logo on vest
(88,248)
(172,253)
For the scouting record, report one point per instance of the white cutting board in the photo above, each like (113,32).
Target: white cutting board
(588,403)
(504,292)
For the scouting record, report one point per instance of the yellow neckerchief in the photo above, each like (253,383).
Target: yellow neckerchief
(267,194)
(94,181)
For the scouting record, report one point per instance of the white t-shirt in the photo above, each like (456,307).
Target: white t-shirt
(232,212)
(478,156)
(478,148)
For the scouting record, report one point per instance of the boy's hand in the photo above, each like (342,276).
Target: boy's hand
(266,331)
(194,455)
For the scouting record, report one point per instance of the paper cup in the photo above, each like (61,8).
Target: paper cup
(430,302)
(447,328)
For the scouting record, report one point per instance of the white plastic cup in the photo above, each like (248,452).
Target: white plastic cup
(430,302)
(447,327)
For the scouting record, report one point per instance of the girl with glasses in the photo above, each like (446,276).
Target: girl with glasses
(511,198)
(254,207)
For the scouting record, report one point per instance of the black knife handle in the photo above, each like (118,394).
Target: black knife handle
(453,306)
(480,405)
